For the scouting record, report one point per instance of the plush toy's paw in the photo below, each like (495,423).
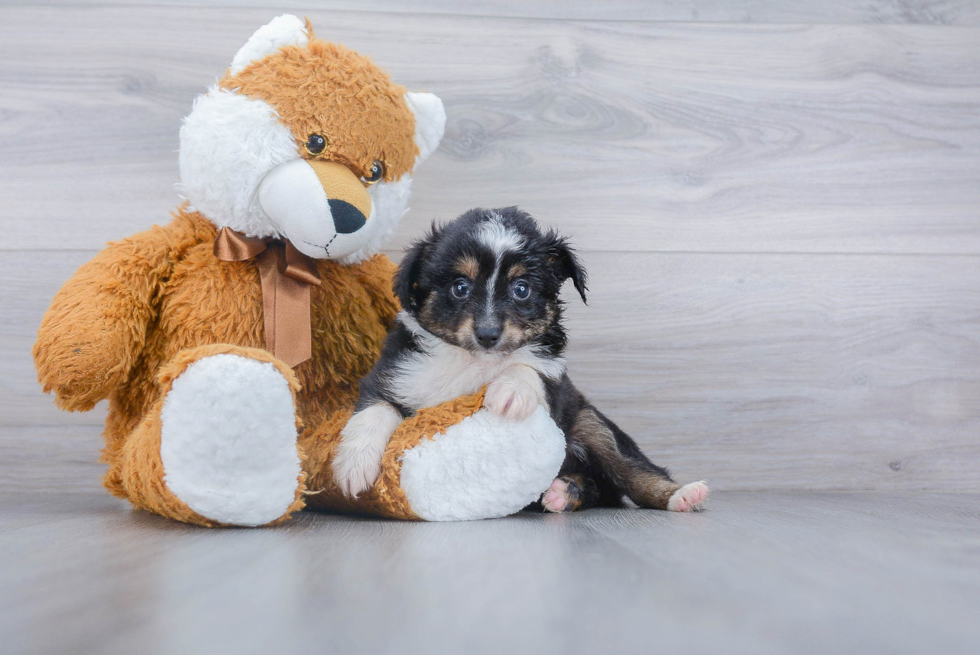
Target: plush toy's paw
(357,464)
(511,398)
(690,497)
(228,440)
(482,467)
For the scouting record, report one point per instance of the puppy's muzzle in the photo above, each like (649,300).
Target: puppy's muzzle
(487,335)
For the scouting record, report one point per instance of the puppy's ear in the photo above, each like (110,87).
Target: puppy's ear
(562,257)
(406,283)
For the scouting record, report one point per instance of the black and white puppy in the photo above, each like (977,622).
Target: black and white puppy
(481,307)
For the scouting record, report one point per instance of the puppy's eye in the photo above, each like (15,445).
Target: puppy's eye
(316,144)
(460,288)
(520,290)
(377,172)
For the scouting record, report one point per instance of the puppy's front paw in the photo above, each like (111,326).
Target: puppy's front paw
(689,498)
(357,464)
(355,469)
(510,398)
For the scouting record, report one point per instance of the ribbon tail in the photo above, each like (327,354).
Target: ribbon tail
(294,336)
(286,308)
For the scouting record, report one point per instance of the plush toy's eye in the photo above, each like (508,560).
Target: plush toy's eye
(461,288)
(377,172)
(520,290)
(315,144)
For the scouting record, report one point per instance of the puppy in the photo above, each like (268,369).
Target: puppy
(481,307)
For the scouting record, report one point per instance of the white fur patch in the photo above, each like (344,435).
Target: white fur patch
(227,145)
(357,464)
(483,467)
(430,122)
(498,238)
(444,371)
(280,31)
(228,440)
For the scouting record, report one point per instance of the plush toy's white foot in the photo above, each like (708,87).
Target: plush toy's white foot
(690,497)
(483,467)
(556,498)
(228,440)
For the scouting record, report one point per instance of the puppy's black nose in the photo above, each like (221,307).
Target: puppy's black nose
(346,217)
(487,336)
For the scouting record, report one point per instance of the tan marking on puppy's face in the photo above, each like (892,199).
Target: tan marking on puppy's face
(465,332)
(468,267)
(512,336)
(516,271)
(332,91)
(427,316)
(522,334)
(461,334)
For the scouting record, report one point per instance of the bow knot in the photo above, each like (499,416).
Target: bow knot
(287,275)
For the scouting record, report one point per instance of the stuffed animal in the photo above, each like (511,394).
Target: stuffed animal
(229,342)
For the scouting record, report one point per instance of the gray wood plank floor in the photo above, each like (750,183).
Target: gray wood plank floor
(756,573)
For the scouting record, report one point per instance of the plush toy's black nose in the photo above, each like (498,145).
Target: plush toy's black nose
(487,336)
(346,217)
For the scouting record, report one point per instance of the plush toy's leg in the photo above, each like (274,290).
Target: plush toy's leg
(220,446)
(456,461)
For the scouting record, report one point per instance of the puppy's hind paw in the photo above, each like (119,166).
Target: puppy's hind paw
(556,498)
(689,498)
(569,493)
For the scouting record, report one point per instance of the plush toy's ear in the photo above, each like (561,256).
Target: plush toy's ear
(430,122)
(566,264)
(406,283)
(280,31)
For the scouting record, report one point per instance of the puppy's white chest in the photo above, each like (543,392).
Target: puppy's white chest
(446,372)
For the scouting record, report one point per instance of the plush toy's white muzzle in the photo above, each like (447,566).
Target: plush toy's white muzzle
(321,206)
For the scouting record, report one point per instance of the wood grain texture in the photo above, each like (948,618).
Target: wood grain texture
(753,371)
(903,12)
(782,221)
(631,136)
(756,573)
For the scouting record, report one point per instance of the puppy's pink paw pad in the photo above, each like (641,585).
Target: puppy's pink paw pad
(555,499)
(691,497)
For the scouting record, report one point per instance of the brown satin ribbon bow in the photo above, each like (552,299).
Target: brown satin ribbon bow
(286,275)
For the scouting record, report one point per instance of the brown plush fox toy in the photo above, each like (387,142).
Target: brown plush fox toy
(229,342)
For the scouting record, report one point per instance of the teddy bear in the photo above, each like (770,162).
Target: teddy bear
(229,342)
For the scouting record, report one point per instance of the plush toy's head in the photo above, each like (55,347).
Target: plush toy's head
(308,141)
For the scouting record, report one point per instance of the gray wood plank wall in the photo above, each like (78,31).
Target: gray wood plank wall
(778,204)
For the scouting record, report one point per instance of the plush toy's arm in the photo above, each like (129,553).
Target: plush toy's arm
(96,325)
